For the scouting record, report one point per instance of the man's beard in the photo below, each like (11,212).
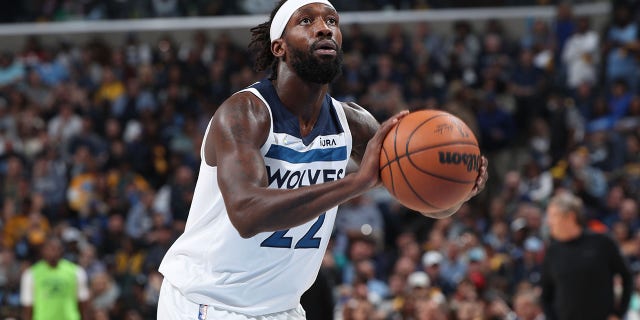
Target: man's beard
(314,69)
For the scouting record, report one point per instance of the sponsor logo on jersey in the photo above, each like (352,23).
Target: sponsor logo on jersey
(328,142)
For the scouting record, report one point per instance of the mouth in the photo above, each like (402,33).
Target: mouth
(325,47)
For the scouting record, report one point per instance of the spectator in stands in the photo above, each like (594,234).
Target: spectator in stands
(384,95)
(37,92)
(26,231)
(358,41)
(180,193)
(90,261)
(140,216)
(65,125)
(11,268)
(51,71)
(109,89)
(128,263)
(581,55)
(497,131)
(54,288)
(104,291)
(620,47)
(366,271)
(166,8)
(536,184)
(432,266)
(526,306)
(432,42)
(464,44)
(11,69)
(564,26)
(158,240)
(360,248)
(588,182)
(631,169)
(540,143)
(358,309)
(359,216)
(540,41)
(567,127)
(527,84)
(128,106)
(628,215)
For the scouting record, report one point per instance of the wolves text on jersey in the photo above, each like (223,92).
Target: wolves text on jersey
(295,179)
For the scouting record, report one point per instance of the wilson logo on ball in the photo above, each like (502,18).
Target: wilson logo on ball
(471,161)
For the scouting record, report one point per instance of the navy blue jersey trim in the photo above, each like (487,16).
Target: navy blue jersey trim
(284,121)
(292,156)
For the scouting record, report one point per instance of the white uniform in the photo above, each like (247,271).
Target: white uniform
(210,264)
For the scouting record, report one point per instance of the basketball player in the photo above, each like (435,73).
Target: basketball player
(273,172)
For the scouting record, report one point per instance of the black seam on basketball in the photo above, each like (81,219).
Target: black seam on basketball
(393,187)
(395,136)
(450,143)
(414,190)
(418,127)
(423,123)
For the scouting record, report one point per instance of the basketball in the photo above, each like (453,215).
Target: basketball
(429,161)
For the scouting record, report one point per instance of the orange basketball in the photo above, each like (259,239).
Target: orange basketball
(430,161)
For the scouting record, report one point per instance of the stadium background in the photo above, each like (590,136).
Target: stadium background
(103,105)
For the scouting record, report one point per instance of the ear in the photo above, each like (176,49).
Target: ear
(278,47)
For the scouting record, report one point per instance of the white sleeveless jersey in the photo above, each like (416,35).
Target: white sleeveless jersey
(211,264)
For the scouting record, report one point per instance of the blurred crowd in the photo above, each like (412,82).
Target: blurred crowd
(66,10)
(99,145)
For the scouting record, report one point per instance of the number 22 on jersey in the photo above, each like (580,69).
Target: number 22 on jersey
(279,239)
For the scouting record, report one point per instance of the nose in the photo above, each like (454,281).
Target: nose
(323,30)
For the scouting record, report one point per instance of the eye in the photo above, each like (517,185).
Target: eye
(332,21)
(305,21)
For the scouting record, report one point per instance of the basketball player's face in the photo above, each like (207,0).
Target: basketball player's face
(314,43)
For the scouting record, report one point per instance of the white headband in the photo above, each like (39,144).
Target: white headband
(285,12)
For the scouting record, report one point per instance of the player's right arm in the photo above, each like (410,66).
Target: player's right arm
(238,129)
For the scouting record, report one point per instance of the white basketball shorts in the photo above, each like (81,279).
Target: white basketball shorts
(172,305)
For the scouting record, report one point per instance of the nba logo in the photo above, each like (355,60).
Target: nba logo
(202,313)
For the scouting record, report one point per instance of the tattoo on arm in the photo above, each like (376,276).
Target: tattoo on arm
(363,126)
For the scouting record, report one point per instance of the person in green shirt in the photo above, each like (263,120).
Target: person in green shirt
(54,288)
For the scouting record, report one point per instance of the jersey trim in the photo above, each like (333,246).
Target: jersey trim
(278,152)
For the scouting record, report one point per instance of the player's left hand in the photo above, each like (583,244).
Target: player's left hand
(483,175)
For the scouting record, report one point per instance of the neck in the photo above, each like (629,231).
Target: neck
(570,233)
(52,263)
(303,99)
